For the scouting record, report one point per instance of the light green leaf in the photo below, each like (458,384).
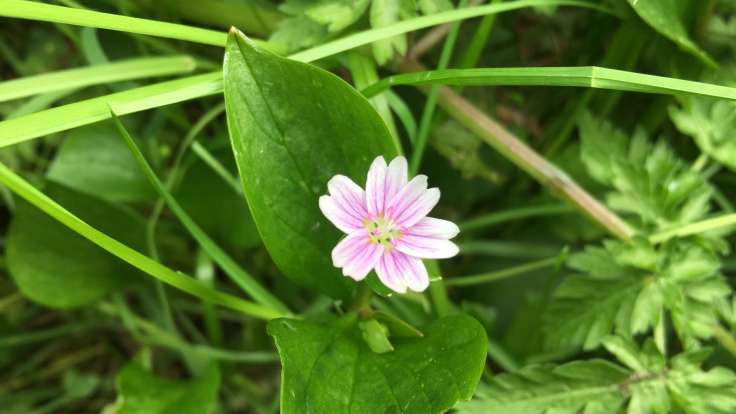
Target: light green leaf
(601,387)
(433,6)
(577,387)
(576,76)
(139,391)
(624,288)
(94,161)
(293,127)
(95,75)
(56,267)
(710,122)
(89,111)
(665,16)
(632,166)
(386,13)
(328,368)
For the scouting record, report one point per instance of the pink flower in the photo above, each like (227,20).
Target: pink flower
(387,226)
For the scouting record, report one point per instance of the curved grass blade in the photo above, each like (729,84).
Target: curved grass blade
(176,279)
(89,111)
(95,75)
(231,268)
(580,76)
(32,10)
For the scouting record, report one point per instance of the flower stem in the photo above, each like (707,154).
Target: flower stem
(362,301)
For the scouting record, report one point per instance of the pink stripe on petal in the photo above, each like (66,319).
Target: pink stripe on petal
(396,179)
(374,186)
(361,264)
(435,228)
(356,255)
(417,209)
(348,196)
(409,270)
(389,273)
(407,196)
(426,247)
(342,219)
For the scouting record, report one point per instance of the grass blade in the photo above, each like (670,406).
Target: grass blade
(176,279)
(580,76)
(95,75)
(32,10)
(69,116)
(231,268)
(417,23)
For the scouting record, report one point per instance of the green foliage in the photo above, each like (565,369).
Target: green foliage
(94,161)
(647,383)
(666,17)
(386,13)
(648,179)
(328,368)
(627,288)
(139,391)
(56,267)
(293,127)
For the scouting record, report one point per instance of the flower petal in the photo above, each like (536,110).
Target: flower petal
(399,272)
(341,218)
(345,207)
(384,182)
(356,255)
(413,202)
(426,247)
(434,227)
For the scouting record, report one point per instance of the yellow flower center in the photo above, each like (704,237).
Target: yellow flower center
(382,230)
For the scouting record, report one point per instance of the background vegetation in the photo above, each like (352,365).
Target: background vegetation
(586,149)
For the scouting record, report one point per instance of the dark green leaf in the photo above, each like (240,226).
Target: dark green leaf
(94,161)
(329,369)
(665,16)
(139,391)
(57,267)
(214,206)
(293,127)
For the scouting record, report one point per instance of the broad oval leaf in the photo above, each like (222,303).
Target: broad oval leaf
(55,266)
(293,126)
(94,160)
(139,391)
(328,368)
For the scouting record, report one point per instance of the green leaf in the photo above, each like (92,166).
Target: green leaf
(433,6)
(386,13)
(94,161)
(227,219)
(176,279)
(601,387)
(56,267)
(139,391)
(328,368)
(711,123)
(581,386)
(82,17)
(649,180)
(665,16)
(624,288)
(293,127)
(95,75)
(576,76)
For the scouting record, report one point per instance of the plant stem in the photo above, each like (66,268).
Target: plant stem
(498,217)
(525,157)
(703,226)
(502,274)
